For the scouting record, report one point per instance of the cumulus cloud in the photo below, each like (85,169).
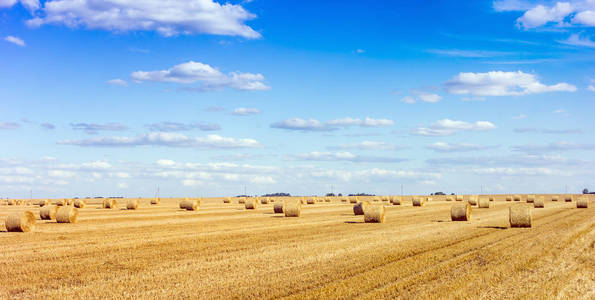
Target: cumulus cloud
(210,78)
(31,5)
(315,125)
(541,15)
(117,81)
(366,145)
(499,83)
(556,13)
(9,125)
(553,147)
(174,126)
(345,156)
(457,147)
(94,128)
(449,127)
(165,139)
(15,40)
(242,111)
(168,18)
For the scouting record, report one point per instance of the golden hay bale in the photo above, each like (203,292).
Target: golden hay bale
(530,198)
(251,203)
(278,207)
(568,198)
(520,215)
(69,201)
(80,203)
(555,198)
(192,204)
(429,199)
(60,202)
(483,202)
(538,202)
(516,198)
(292,208)
(183,203)
(48,212)
(459,198)
(271,199)
(132,204)
(418,201)
(226,200)
(460,211)
(582,202)
(449,198)
(19,202)
(155,201)
(375,199)
(473,199)
(43,203)
(492,198)
(242,200)
(67,214)
(20,221)
(343,199)
(374,213)
(385,199)
(396,200)
(11,202)
(264,200)
(360,208)
(508,198)
(110,203)
(311,200)
(353,200)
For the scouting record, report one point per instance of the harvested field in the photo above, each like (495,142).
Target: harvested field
(328,252)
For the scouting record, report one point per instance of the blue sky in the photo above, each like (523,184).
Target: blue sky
(205,98)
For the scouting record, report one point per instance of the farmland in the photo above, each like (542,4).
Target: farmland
(223,250)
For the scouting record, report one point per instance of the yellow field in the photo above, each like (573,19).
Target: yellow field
(225,251)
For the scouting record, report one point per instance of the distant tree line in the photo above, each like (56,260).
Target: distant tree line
(277,195)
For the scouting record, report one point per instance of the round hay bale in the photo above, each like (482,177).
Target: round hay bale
(385,199)
(110,203)
(11,202)
(292,208)
(492,198)
(242,200)
(155,201)
(264,200)
(226,200)
(311,200)
(460,212)
(418,201)
(516,198)
(60,202)
(374,214)
(192,204)
(483,202)
(20,202)
(396,200)
(449,198)
(20,221)
(48,212)
(530,198)
(343,199)
(509,198)
(568,198)
(359,208)
(555,198)
(67,214)
(43,203)
(132,204)
(473,199)
(278,207)
(353,200)
(459,198)
(582,202)
(251,203)
(520,215)
(69,201)
(538,202)
(375,199)
(428,199)
(79,203)
(183,203)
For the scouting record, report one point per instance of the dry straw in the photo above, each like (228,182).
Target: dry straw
(473,199)
(110,203)
(67,214)
(251,203)
(278,207)
(483,202)
(20,221)
(396,200)
(374,213)
(460,211)
(132,204)
(155,201)
(459,198)
(582,202)
(79,203)
(520,215)
(538,202)
(359,208)
(418,201)
(292,208)
(48,212)
(530,198)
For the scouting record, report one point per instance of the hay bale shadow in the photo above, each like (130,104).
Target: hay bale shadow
(494,227)
(355,222)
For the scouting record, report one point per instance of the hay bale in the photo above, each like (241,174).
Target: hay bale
(458,197)
(227,200)
(155,201)
(192,204)
(530,198)
(264,200)
(48,212)
(516,198)
(132,204)
(418,201)
(11,202)
(473,199)
(492,198)
(60,202)
(396,200)
(582,202)
(568,198)
(460,212)
(508,198)
(359,208)
(20,222)
(374,214)
(520,215)
(79,203)
(110,203)
(327,199)
(311,200)
(67,214)
(385,199)
(555,198)
(449,198)
(292,208)
(343,199)
(43,203)
(352,200)
(250,203)
(538,202)
(69,201)
(428,199)
(375,199)
(278,207)
(242,200)
(483,202)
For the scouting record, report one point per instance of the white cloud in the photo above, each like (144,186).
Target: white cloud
(457,147)
(345,156)
(367,122)
(166,162)
(94,128)
(210,78)
(432,98)
(520,117)
(541,15)
(117,81)
(360,51)
(96,165)
(175,126)
(31,5)
(449,127)
(165,139)
(408,100)
(499,83)
(511,171)
(586,17)
(61,173)
(302,125)
(511,5)
(9,125)
(367,145)
(553,147)
(191,182)
(263,180)
(166,17)
(242,111)
(576,40)
(15,40)
(591,88)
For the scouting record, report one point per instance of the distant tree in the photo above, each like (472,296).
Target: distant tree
(585,191)
(330,195)
(452,193)
(340,195)
(439,193)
